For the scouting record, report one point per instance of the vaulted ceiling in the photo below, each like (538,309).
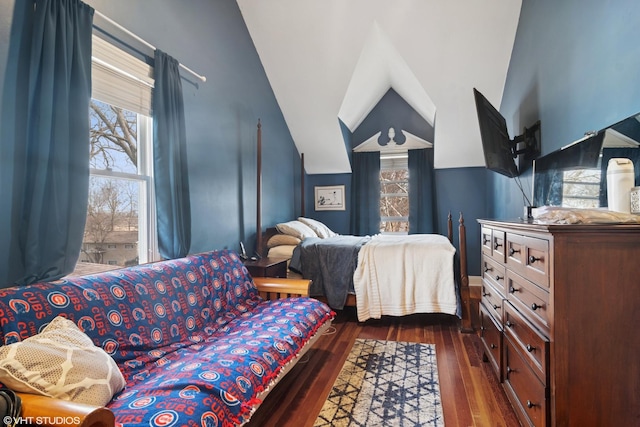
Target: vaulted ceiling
(333,60)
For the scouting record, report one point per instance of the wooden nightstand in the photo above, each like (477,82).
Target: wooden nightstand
(267,267)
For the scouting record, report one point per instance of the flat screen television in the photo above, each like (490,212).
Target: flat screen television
(498,148)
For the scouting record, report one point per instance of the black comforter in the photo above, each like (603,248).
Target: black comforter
(330,264)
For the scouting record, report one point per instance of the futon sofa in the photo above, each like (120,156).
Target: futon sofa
(193,339)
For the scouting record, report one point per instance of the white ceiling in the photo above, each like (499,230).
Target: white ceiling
(334,59)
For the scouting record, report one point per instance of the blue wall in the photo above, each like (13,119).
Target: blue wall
(575,66)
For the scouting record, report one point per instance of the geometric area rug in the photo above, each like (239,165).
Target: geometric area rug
(385,383)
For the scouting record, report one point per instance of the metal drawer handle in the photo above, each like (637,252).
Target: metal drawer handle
(513,290)
(493,346)
(485,240)
(513,251)
(509,370)
(498,277)
(533,259)
(509,324)
(535,306)
(495,306)
(487,269)
(530,348)
(530,404)
(496,245)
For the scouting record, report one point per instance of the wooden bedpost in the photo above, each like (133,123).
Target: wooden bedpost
(302,213)
(465,294)
(450,227)
(258,249)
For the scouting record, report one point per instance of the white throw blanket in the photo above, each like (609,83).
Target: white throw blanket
(401,275)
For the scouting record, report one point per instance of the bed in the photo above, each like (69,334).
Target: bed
(432,272)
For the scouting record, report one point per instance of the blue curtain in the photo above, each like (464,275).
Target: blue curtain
(365,194)
(171,174)
(422,194)
(45,139)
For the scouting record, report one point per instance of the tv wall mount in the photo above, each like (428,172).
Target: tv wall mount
(526,147)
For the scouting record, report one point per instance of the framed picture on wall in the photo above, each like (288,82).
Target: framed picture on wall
(329,198)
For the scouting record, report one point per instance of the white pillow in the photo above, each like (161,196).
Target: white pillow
(296,229)
(319,228)
(61,362)
(282,239)
(282,251)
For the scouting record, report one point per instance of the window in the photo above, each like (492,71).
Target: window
(394,194)
(120,227)
(581,188)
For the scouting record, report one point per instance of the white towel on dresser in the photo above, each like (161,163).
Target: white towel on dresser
(401,275)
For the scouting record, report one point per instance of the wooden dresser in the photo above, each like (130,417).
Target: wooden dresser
(560,320)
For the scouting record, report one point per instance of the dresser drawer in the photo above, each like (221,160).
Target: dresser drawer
(527,394)
(494,272)
(493,300)
(528,256)
(532,344)
(491,336)
(531,300)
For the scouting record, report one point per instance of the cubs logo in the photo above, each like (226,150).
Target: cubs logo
(156,353)
(189,392)
(118,292)
(214,264)
(295,331)
(205,313)
(160,310)
(115,318)
(190,323)
(209,419)
(142,402)
(269,358)
(209,376)
(160,286)
(156,335)
(141,289)
(192,277)
(175,281)
(163,361)
(191,367)
(257,369)
(138,313)
(239,351)
(229,399)
(226,363)
(205,291)
(175,306)
(91,294)
(19,306)
(135,339)
(58,299)
(164,419)
(217,284)
(192,299)
(217,304)
(280,347)
(175,331)
(243,384)
(86,323)
(11,337)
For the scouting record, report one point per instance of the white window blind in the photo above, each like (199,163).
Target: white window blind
(120,79)
(394,161)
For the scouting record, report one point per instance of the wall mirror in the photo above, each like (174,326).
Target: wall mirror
(576,175)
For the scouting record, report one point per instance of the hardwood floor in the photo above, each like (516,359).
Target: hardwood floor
(471,395)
